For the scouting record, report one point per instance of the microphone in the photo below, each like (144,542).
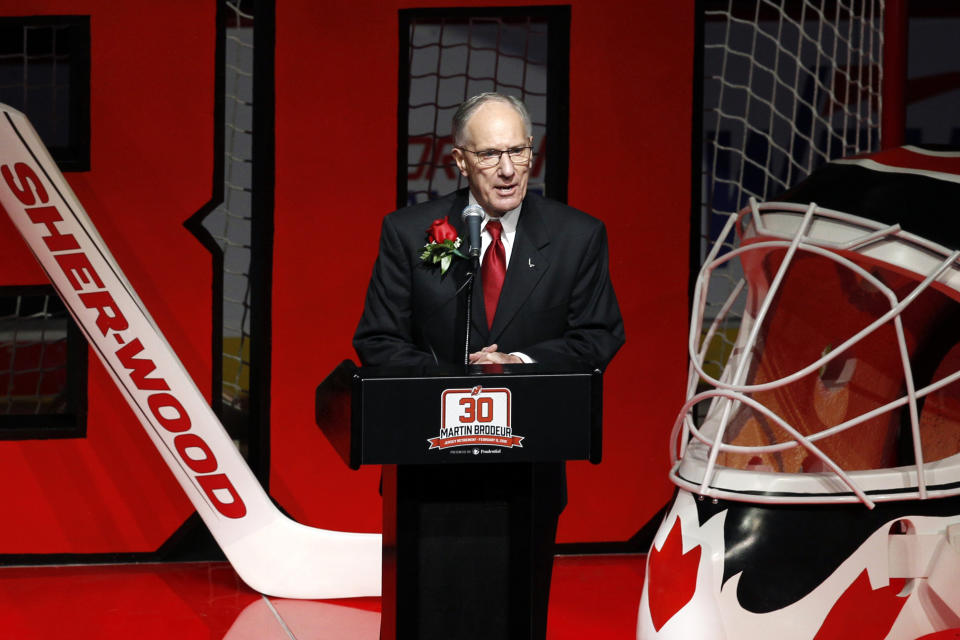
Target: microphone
(473,216)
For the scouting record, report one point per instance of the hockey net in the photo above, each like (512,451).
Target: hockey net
(230,223)
(453,58)
(35,61)
(33,354)
(787,86)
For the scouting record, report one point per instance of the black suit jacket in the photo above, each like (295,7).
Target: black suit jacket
(557,304)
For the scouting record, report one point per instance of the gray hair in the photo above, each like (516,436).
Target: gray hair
(470,105)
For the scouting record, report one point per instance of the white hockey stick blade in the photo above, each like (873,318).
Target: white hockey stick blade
(286,559)
(270,552)
(323,619)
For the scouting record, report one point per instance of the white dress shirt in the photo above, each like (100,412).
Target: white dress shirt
(509,223)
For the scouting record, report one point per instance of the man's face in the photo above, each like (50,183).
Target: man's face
(495,125)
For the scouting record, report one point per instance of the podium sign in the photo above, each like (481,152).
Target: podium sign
(522,414)
(476,417)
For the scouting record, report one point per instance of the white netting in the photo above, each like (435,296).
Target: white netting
(786,87)
(35,64)
(452,59)
(33,355)
(34,78)
(230,223)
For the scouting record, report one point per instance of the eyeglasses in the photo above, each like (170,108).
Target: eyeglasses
(491,157)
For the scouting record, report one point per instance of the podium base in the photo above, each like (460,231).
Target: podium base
(468,550)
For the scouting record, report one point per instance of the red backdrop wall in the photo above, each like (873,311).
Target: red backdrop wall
(630,114)
(152,119)
(151,105)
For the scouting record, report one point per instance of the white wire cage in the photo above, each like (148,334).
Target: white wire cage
(762,437)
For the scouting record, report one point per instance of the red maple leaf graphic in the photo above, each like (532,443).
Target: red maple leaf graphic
(672,577)
(863,612)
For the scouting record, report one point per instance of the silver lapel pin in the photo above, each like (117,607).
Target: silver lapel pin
(530,263)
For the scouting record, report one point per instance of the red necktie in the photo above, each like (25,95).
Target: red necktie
(493,270)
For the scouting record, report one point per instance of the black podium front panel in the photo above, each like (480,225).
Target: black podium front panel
(467,540)
(520,415)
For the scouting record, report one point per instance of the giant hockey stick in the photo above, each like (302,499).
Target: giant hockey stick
(270,552)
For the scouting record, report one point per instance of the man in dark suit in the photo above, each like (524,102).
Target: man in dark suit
(544,293)
(556,305)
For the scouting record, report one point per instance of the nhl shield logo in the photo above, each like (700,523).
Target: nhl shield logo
(473,417)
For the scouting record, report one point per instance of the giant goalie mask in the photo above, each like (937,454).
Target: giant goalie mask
(818,469)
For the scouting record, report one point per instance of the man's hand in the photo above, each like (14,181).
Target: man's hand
(490,355)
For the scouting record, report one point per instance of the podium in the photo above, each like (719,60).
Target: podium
(473,481)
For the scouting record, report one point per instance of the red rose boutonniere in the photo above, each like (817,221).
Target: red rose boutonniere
(443,244)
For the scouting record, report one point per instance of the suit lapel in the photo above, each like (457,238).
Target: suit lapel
(527,266)
(453,215)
